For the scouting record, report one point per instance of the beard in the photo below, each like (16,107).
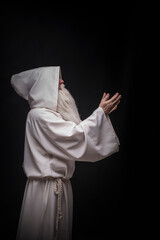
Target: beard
(66,106)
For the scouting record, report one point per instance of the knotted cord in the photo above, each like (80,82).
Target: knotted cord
(58,191)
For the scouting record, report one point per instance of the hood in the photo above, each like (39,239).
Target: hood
(38,86)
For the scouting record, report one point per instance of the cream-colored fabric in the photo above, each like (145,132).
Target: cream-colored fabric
(39,86)
(39,211)
(52,145)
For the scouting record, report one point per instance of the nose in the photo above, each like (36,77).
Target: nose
(61,81)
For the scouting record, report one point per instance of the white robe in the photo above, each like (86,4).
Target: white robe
(52,146)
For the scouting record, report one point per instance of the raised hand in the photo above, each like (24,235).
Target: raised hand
(109,105)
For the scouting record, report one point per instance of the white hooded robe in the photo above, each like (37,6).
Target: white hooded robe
(52,145)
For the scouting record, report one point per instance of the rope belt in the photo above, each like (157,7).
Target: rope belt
(58,191)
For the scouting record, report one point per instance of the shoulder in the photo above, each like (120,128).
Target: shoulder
(42,115)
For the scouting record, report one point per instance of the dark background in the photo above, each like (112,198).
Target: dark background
(99,48)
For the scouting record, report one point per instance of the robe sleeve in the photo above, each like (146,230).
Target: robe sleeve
(91,140)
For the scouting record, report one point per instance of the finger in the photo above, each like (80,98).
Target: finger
(115,107)
(117,100)
(107,97)
(114,97)
(104,94)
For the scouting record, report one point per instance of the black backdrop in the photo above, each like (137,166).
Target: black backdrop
(99,48)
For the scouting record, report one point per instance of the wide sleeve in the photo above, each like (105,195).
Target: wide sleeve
(91,140)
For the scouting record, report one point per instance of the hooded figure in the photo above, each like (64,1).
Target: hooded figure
(52,145)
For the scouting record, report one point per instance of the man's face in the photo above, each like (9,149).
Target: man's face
(60,82)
